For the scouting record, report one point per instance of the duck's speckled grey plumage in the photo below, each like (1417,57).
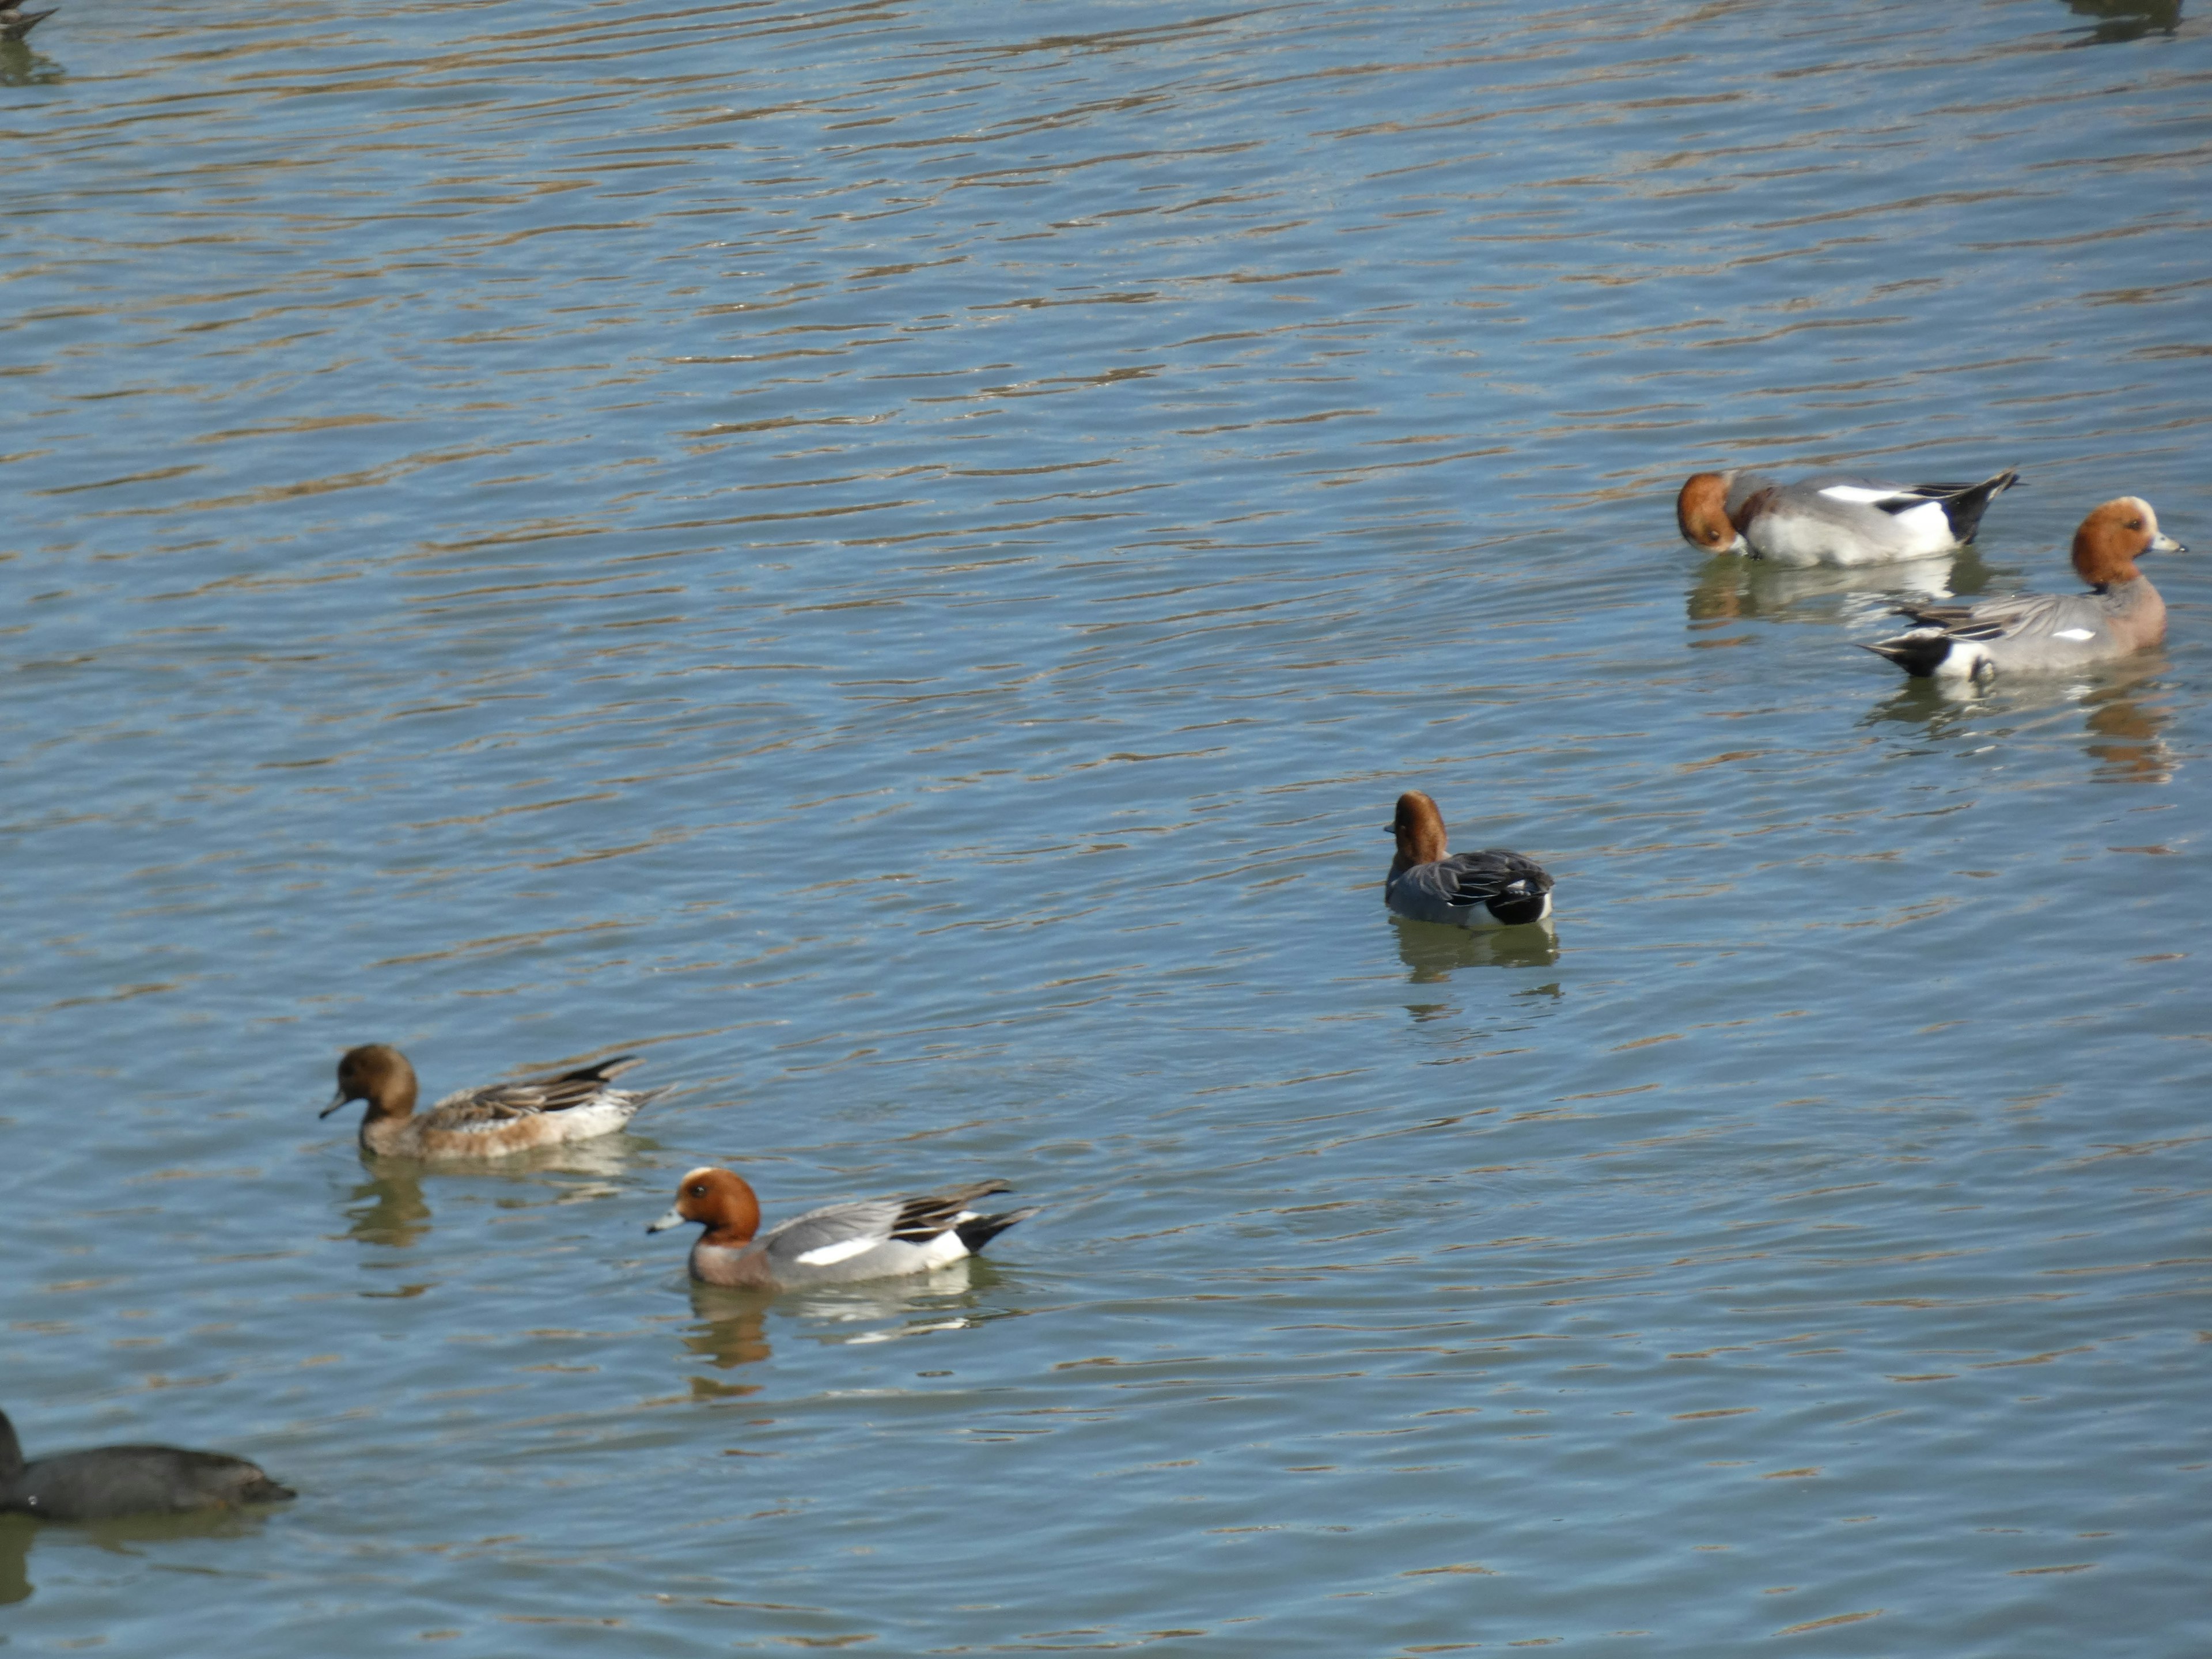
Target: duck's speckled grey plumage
(836,1244)
(106,1483)
(2043,633)
(1832,518)
(1490,889)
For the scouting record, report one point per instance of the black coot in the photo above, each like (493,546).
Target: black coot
(109,1481)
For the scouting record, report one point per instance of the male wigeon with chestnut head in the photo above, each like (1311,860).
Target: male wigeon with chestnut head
(489,1122)
(837,1244)
(1830,519)
(1490,889)
(2120,615)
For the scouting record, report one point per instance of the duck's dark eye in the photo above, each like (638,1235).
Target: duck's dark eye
(699,1191)
(2135,524)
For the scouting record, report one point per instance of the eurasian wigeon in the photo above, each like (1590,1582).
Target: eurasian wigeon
(1832,518)
(16,23)
(2032,632)
(490,1122)
(837,1244)
(107,1482)
(1490,889)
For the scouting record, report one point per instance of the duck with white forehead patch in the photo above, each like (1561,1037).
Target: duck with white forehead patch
(837,1244)
(493,1121)
(2030,633)
(1832,518)
(1490,889)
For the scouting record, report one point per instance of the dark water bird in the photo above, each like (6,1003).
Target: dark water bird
(16,23)
(837,1244)
(2031,632)
(1490,889)
(107,1483)
(1832,519)
(489,1122)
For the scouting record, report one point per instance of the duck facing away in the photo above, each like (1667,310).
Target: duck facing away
(108,1482)
(490,1122)
(1832,518)
(2121,614)
(16,23)
(1490,889)
(837,1244)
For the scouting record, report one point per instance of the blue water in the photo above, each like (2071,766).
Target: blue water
(893,561)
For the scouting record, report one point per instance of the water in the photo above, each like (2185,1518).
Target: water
(892,561)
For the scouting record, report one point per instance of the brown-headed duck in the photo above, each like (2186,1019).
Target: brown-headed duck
(1490,889)
(2040,632)
(875,1238)
(1830,519)
(490,1122)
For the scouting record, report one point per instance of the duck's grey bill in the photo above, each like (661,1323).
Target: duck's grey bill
(334,1104)
(673,1219)
(2165,544)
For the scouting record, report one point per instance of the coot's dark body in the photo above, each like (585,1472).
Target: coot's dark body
(107,1482)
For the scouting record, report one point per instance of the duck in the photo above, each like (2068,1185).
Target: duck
(107,1482)
(16,23)
(493,1121)
(2120,615)
(1490,889)
(837,1244)
(1832,518)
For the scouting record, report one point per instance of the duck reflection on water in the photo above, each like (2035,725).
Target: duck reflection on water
(1432,953)
(2123,724)
(2121,20)
(389,1207)
(1739,590)
(121,1537)
(732,1327)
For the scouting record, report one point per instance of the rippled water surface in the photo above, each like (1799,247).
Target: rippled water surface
(892,561)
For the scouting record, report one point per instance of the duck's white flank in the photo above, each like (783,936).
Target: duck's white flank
(843,1250)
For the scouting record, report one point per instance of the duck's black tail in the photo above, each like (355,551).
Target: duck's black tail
(1964,504)
(984,1228)
(1919,654)
(25,22)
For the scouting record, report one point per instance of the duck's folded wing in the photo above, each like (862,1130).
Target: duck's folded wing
(833,1233)
(2022,615)
(920,1219)
(504,1103)
(1478,877)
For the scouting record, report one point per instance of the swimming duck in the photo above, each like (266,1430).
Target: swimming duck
(16,23)
(1832,518)
(1491,888)
(875,1238)
(109,1481)
(2028,632)
(490,1122)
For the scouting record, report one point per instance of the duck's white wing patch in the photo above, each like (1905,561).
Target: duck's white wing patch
(2074,634)
(843,1250)
(1860,493)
